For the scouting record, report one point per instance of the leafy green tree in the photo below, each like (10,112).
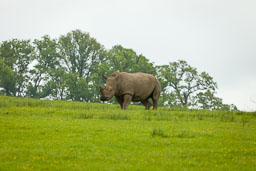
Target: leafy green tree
(56,87)
(207,100)
(8,53)
(47,64)
(96,79)
(126,60)
(182,83)
(7,80)
(17,55)
(78,88)
(80,52)
(82,56)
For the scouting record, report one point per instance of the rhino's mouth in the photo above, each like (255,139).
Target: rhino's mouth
(104,98)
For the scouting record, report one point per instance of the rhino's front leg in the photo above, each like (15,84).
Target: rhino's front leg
(127,100)
(120,101)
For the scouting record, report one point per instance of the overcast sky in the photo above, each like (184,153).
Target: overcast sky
(216,36)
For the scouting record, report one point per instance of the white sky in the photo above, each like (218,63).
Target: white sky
(216,36)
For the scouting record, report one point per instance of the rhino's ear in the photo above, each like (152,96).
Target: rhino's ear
(117,77)
(104,77)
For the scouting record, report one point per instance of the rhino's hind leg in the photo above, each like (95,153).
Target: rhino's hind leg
(155,102)
(147,104)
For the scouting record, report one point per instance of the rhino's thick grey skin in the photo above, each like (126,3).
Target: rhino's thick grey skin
(127,87)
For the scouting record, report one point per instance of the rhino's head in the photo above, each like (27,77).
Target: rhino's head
(109,90)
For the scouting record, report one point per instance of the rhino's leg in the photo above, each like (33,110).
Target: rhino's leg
(147,104)
(155,97)
(155,102)
(127,100)
(120,101)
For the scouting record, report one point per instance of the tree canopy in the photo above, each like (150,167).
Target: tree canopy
(183,85)
(70,68)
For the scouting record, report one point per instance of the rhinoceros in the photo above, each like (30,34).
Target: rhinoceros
(127,87)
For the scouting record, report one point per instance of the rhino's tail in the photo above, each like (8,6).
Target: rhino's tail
(157,91)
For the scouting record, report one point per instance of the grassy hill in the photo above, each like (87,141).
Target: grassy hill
(63,135)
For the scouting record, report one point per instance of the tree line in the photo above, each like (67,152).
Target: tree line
(70,68)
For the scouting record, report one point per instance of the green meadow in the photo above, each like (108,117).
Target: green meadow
(64,135)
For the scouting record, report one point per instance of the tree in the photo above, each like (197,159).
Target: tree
(181,83)
(96,78)
(126,60)
(17,55)
(207,100)
(7,80)
(55,88)
(82,56)
(47,65)
(121,59)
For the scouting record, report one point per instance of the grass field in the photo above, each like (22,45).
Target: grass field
(61,135)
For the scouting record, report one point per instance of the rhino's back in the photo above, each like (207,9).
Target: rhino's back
(139,85)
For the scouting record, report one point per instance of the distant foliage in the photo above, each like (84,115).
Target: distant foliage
(183,86)
(126,60)
(70,68)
